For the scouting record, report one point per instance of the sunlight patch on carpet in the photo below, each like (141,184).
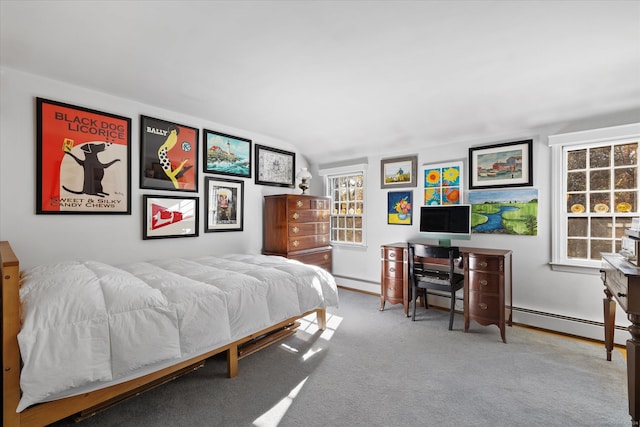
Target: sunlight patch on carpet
(273,416)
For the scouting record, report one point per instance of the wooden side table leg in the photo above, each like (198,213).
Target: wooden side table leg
(633,368)
(609,322)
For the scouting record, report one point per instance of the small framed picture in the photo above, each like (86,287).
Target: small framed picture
(400,207)
(399,172)
(501,165)
(169,216)
(275,167)
(168,155)
(83,160)
(224,205)
(226,155)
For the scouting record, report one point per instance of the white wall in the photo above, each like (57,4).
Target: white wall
(117,238)
(535,285)
(112,238)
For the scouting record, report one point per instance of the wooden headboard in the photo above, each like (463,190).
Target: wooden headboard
(10,268)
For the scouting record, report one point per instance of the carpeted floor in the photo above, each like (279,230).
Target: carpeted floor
(373,368)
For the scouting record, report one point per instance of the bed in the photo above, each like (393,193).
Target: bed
(79,336)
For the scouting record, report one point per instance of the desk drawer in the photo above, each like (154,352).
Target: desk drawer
(484,306)
(392,269)
(484,282)
(618,285)
(394,288)
(485,263)
(392,254)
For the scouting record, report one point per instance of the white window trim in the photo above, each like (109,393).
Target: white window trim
(557,143)
(350,169)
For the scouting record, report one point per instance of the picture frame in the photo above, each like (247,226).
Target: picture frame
(168,155)
(169,216)
(400,207)
(226,154)
(83,159)
(224,205)
(443,183)
(274,167)
(399,172)
(503,165)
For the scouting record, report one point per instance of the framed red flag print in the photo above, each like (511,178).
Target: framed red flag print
(169,216)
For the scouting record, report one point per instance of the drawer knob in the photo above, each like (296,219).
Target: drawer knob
(482,264)
(295,229)
(392,255)
(326,257)
(621,295)
(392,288)
(295,243)
(296,215)
(483,282)
(324,239)
(482,306)
(392,269)
(299,203)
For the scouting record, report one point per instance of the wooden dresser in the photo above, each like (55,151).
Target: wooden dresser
(622,283)
(297,226)
(395,276)
(487,285)
(487,288)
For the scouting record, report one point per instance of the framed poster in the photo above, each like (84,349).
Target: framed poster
(501,165)
(83,160)
(398,172)
(400,207)
(169,216)
(226,154)
(275,167)
(443,183)
(224,205)
(168,155)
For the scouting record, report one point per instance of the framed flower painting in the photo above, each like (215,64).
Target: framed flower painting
(443,183)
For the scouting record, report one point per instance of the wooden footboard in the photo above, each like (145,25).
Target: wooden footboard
(47,413)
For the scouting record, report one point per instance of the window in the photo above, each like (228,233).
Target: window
(345,184)
(595,193)
(347,207)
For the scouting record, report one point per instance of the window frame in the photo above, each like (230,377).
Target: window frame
(559,144)
(337,172)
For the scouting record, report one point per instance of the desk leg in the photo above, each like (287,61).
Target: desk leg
(633,368)
(609,322)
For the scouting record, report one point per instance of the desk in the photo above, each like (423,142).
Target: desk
(487,290)
(622,281)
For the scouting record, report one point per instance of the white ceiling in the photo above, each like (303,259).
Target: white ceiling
(341,78)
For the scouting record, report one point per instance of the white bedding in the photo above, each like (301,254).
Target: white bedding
(86,323)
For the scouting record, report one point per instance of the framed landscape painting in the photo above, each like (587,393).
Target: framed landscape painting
(399,172)
(226,155)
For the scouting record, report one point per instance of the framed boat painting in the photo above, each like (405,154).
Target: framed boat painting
(501,165)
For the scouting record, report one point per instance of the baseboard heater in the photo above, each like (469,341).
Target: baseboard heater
(567,318)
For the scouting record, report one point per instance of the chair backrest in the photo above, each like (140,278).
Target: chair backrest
(435,253)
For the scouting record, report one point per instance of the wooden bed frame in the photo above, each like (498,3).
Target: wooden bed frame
(89,403)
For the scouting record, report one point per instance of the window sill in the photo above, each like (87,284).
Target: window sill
(572,268)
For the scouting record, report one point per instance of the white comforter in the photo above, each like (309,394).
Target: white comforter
(88,323)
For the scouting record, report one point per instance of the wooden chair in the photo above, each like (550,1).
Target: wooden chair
(432,267)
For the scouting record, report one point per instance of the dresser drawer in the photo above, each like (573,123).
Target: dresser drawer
(480,281)
(308,203)
(486,263)
(394,288)
(484,306)
(308,229)
(321,258)
(302,216)
(392,254)
(392,269)
(297,243)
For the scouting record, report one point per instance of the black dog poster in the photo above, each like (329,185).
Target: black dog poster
(82,160)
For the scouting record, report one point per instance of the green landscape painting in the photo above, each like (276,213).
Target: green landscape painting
(505,211)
